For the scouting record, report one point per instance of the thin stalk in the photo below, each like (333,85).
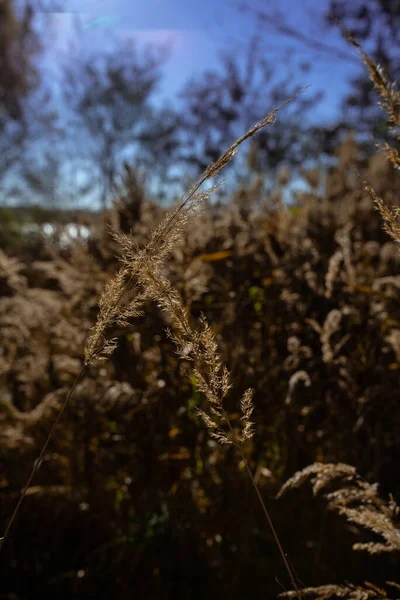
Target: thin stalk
(276,538)
(239,446)
(37,463)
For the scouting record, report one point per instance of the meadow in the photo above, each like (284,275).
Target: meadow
(208,396)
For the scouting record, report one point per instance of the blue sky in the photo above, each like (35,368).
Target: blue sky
(199,29)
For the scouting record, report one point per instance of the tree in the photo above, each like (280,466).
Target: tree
(221,103)
(19,76)
(19,44)
(109,98)
(48,178)
(376,25)
(373,23)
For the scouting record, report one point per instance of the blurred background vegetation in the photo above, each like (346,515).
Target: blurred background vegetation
(80,96)
(133,499)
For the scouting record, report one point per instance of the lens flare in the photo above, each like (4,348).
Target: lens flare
(100,21)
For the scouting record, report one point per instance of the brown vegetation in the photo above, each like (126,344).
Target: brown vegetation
(132,497)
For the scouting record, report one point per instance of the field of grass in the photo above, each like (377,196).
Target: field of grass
(224,421)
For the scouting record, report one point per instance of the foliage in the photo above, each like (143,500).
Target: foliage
(301,304)
(109,100)
(222,102)
(19,76)
(134,476)
(375,24)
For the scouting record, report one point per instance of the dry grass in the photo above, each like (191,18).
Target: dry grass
(322,360)
(140,275)
(141,279)
(358,500)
